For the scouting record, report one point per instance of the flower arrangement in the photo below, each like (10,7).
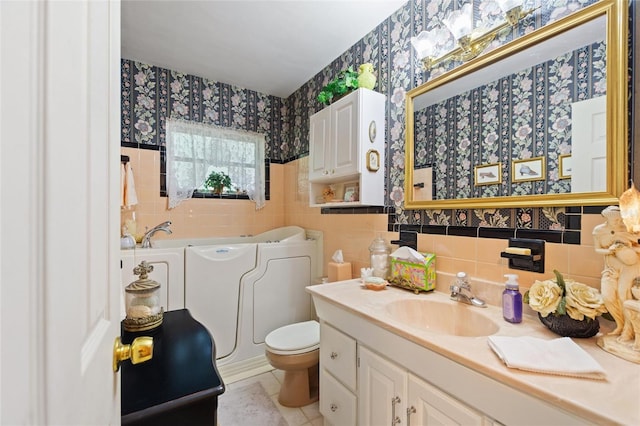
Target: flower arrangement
(567,307)
(565,297)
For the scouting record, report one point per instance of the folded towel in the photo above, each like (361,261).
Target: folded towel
(558,356)
(130,196)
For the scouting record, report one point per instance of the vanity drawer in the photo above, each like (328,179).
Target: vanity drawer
(338,355)
(337,404)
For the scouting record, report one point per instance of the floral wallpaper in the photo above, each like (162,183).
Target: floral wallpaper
(521,116)
(151,94)
(398,71)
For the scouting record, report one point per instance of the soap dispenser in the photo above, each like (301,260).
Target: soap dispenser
(512,300)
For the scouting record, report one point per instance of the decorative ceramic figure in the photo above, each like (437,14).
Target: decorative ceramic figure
(619,283)
(366,78)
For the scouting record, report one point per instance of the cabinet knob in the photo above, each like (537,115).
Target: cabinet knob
(333,355)
(325,172)
(333,407)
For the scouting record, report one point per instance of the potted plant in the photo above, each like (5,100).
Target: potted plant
(217,181)
(346,81)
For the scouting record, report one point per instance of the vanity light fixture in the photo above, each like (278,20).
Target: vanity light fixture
(470,42)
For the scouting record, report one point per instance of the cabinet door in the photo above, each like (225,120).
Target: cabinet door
(434,407)
(344,136)
(319,146)
(382,389)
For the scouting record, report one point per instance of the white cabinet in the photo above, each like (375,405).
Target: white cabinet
(428,405)
(346,150)
(382,389)
(382,392)
(389,394)
(338,403)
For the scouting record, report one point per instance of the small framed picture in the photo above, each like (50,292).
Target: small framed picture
(528,170)
(565,166)
(350,192)
(488,174)
(373,160)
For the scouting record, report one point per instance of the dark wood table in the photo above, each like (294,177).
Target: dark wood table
(180,384)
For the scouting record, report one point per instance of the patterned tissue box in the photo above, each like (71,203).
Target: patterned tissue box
(414,276)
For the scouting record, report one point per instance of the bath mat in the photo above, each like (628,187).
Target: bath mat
(248,406)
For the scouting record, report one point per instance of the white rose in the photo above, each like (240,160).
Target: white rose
(544,297)
(583,301)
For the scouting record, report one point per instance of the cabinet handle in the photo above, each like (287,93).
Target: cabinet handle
(394,419)
(332,171)
(410,411)
(333,407)
(333,355)
(325,172)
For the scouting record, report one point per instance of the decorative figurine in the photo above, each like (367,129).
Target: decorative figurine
(617,239)
(366,78)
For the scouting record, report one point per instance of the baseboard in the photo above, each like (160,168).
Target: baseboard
(236,371)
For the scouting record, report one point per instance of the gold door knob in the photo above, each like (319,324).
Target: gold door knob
(140,350)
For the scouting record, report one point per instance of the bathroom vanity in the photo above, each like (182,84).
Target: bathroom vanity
(402,358)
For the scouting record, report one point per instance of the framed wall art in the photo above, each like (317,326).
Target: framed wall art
(565,167)
(373,160)
(488,174)
(528,169)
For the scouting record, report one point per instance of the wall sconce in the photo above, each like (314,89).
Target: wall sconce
(630,209)
(471,42)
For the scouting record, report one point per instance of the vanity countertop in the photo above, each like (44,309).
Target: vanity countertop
(614,400)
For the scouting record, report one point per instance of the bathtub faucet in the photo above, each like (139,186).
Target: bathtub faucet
(146,240)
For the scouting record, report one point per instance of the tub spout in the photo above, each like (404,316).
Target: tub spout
(164,226)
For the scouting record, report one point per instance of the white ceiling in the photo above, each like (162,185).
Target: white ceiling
(269,46)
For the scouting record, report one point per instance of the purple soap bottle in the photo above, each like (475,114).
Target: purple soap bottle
(512,300)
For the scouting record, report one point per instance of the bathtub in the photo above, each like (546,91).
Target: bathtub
(239,288)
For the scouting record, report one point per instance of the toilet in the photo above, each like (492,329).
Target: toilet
(295,348)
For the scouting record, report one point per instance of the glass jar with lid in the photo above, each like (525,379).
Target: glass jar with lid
(380,257)
(142,301)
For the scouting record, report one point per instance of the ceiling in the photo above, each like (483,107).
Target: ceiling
(269,46)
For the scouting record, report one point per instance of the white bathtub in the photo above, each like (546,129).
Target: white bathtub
(239,288)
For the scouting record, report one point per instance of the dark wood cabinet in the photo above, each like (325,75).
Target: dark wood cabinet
(180,384)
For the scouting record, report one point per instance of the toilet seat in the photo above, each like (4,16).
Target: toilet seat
(294,339)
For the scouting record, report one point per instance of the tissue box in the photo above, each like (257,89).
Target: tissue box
(414,276)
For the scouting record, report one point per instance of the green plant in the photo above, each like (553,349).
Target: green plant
(217,181)
(345,81)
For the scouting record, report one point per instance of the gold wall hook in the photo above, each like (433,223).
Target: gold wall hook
(140,350)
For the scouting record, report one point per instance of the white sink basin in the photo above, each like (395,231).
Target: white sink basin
(455,319)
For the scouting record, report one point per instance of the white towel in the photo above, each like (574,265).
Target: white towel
(557,356)
(130,196)
(123,179)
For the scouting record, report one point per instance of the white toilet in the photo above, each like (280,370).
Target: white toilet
(295,348)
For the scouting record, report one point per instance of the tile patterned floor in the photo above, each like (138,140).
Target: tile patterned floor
(308,415)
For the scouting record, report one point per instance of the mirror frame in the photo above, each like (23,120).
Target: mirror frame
(615,12)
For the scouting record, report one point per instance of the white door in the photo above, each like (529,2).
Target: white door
(319,144)
(589,145)
(59,222)
(344,135)
(430,406)
(382,390)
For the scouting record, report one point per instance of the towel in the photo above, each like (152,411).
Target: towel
(123,179)
(130,196)
(558,356)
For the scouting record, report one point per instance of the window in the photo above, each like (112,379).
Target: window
(195,149)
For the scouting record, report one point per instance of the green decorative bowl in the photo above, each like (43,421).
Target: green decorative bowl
(565,326)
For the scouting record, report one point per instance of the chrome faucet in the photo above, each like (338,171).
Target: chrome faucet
(461,291)
(146,240)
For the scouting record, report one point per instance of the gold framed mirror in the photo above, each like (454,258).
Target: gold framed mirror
(528,110)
